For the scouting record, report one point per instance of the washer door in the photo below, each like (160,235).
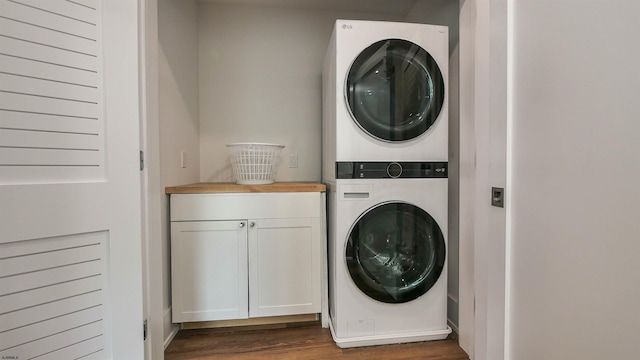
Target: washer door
(394,90)
(395,252)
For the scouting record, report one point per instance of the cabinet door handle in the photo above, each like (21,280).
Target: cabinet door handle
(252,224)
(241,224)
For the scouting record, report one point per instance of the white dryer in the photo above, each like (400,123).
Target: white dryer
(387,247)
(385,93)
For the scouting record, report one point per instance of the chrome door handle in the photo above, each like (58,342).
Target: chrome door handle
(241,224)
(252,224)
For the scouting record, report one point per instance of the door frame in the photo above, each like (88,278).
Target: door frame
(484,140)
(152,192)
(483,67)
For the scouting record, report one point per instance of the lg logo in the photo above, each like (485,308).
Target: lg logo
(347,27)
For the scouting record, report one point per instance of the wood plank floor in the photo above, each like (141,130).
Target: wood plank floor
(300,343)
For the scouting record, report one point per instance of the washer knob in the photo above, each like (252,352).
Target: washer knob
(394,170)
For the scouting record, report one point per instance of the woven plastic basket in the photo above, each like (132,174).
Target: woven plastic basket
(255,163)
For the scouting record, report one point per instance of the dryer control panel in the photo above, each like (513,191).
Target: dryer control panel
(391,170)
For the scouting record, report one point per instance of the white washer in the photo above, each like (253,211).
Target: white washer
(385,93)
(388,257)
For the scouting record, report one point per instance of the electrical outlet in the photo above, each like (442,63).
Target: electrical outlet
(183,159)
(293,160)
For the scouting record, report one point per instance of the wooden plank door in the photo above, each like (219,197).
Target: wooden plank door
(70,225)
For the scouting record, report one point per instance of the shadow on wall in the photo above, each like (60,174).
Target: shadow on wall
(223,174)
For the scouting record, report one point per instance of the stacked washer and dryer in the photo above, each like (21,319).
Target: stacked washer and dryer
(385,164)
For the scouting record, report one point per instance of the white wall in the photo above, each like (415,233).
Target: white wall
(256,76)
(438,12)
(447,12)
(178,111)
(466,175)
(260,81)
(575,273)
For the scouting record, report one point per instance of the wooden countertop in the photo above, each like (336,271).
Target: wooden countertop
(208,188)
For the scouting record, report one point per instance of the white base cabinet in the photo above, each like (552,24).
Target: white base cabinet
(245,255)
(284,267)
(209,270)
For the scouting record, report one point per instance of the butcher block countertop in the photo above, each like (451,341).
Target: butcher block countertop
(208,188)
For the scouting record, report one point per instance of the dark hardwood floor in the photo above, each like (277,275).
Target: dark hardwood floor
(309,341)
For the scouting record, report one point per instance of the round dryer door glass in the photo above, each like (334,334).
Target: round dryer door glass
(394,90)
(395,252)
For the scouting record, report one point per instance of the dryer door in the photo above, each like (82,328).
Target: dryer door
(395,252)
(394,90)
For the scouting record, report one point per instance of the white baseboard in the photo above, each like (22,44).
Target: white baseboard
(452,313)
(170,329)
(275,321)
(453,327)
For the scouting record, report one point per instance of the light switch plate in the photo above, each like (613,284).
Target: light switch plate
(293,160)
(497,197)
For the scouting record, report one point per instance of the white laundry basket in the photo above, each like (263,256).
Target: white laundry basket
(255,163)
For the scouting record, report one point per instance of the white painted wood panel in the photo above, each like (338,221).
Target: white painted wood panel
(45,157)
(41,139)
(284,267)
(190,207)
(65,8)
(51,107)
(54,275)
(54,56)
(59,105)
(34,122)
(52,347)
(39,316)
(209,270)
(70,263)
(41,87)
(66,321)
(49,305)
(59,16)
(24,68)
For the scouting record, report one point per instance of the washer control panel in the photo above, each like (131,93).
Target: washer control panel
(391,170)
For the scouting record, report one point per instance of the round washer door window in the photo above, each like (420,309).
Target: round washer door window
(395,252)
(394,90)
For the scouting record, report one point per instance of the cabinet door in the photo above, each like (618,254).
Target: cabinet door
(284,266)
(209,270)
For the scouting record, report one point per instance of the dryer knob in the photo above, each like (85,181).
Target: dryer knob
(394,170)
